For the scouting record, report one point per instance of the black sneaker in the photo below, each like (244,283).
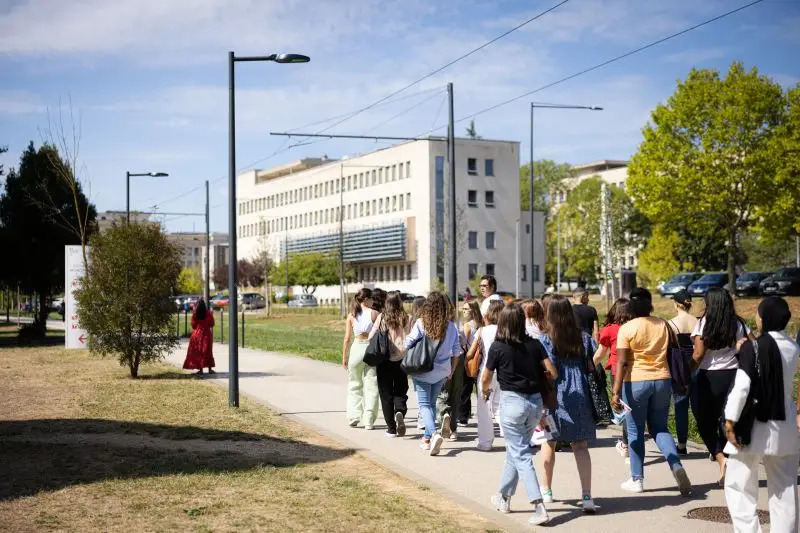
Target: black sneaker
(682,450)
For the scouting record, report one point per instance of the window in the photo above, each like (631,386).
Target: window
(380,205)
(361,209)
(472,198)
(380,176)
(394,172)
(489,167)
(408,169)
(528,229)
(472,270)
(490,240)
(535,272)
(373,177)
(489,197)
(380,274)
(524,273)
(348,213)
(490,269)
(400,174)
(394,273)
(408,271)
(408,200)
(401,202)
(472,166)
(374,205)
(472,241)
(394,204)
(367,204)
(402,273)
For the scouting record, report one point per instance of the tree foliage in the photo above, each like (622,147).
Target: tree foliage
(37,219)
(471,132)
(658,261)
(708,158)
(767,255)
(124,302)
(249,273)
(220,277)
(190,281)
(310,270)
(551,179)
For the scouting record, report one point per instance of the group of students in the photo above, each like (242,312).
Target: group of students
(540,368)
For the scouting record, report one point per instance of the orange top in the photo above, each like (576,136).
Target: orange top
(648,340)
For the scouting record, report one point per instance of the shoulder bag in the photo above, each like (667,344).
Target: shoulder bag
(743,429)
(679,361)
(420,357)
(377,351)
(598,394)
(473,366)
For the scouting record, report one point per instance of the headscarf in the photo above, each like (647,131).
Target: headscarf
(775,315)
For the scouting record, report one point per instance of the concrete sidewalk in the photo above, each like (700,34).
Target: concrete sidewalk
(314,394)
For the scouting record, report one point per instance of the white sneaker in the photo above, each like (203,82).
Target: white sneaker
(353,423)
(453,436)
(446,426)
(633,485)
(390,435)
(540,515)
(588,505)
(501,504)
(401,424)
(436,444)
(684,485)
(425,445)
(369,427)
(547,495)
(420,424)
(484,447)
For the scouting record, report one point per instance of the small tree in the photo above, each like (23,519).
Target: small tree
(310,270)
(472,133)
(190,281)
(220,277)
(124,301)
(658,261)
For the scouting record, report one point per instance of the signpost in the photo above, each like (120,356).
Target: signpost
(74,336)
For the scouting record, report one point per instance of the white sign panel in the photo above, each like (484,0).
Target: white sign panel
(73,271)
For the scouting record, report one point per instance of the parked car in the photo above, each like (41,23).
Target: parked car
(714,280)
(220,301)
(189,303)
(785,282)
(506,296)
(179,299)
(304,300)
(252,300)
(678,283)
(748,284)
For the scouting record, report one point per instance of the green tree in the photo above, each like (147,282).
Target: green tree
(658,261)
(711,146)
(220,278)
(310,270)
(190,281)
(767,255)
(124,301)
(550,178)
(471,132)
(38,218)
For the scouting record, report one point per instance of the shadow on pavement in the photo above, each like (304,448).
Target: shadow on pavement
(37,455)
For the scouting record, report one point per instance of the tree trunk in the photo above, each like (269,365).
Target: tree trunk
(41,319)
(133,364)
(732,247)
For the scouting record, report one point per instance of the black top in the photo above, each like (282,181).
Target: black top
(517,365)
(586,315)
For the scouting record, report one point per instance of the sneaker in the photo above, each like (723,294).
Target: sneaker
(501,504)
(588,505)
(633,485)
(622,449)
(684,485)
(436,444)
(540,515)
(484,447)
(390,435)
(453,436)
(425,445)
(420,424)
(369,427)
(682,450)
(353,423)
(401,424)
(547,495)
(446,425)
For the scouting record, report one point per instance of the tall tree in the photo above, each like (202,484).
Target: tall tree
(551,179)
(708,155)
(37,213)
(124,300)
(190,281)
(471,132)
(658,261)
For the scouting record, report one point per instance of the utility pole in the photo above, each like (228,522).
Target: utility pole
(451,157)
(516,257)
(605,245)
(207,291)
(341,241)
(558,252)
(286,240)
(530,209)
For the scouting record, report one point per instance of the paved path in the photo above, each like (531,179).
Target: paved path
(314,394)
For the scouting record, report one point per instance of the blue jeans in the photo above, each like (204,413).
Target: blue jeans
(681,405)
(519,415)
(426,397)
(649,402)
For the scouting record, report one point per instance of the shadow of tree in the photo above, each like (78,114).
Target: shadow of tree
(38,455)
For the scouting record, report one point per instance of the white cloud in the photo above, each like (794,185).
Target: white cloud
(20,103)
(694,56)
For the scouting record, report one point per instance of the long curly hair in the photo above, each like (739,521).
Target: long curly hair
(722,323)
(563,328)
(435,315)
(394,315)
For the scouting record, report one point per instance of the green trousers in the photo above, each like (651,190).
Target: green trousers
(449,400)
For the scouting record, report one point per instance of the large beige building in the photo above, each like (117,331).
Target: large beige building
(392,204)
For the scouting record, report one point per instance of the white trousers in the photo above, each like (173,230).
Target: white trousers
(741,491)
(485,410)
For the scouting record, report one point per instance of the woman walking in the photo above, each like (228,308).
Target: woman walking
(471,321)
(200,354)
(519,363)
(392,381)
(362,384)
(480,345)
(435,324)
(683,324)
(534,318)
(715,336)
(618,315)
(767,367)
(570,350)
(643,381)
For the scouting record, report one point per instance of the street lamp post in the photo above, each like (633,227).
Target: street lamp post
(233,348)
(534,105)
(128,176)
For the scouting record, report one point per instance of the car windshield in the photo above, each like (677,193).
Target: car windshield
(749,276)
(713,278)
(682,278)
(788,273)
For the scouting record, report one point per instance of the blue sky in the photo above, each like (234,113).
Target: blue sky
(147,80)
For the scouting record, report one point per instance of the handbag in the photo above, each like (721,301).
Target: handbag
(743,429)
(598,396)
(420,357)
(679,361)
(473,366)
(377,351)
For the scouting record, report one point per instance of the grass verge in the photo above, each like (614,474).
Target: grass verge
(85,448)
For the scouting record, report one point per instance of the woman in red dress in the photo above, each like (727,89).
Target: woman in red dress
(199,354)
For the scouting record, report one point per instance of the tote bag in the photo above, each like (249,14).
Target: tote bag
(420,357)
(377,350)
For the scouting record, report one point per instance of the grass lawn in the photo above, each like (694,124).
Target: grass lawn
(85,448)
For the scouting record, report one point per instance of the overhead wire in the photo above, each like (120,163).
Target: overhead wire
(600,65)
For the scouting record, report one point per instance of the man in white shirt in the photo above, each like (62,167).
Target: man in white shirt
(488,292)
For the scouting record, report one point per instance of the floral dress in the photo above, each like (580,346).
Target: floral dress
(573,415)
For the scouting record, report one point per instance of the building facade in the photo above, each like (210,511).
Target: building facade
(393,224)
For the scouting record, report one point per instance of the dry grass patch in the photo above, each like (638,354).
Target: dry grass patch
(84,448)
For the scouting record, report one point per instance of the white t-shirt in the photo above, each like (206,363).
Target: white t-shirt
(486,301)
(724,358)
(488,334)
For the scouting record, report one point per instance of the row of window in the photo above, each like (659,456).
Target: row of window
(472,167)
(472,241)
(472,198)
(360,180)
(385,273)
(367,208)
(472,271)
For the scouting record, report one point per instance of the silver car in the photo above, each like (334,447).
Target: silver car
(304,300)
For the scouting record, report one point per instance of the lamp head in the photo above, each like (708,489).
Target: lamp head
(158,174)
(291,58)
